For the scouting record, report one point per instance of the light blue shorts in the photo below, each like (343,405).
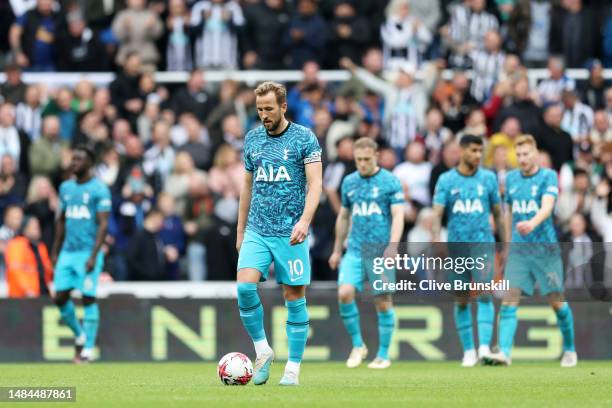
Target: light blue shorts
(354,272)
(539,263)
(70,272)
(291,262)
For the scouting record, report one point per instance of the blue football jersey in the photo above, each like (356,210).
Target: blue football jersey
(369,200)
(80,203)
(468,201)
(279,177)
(524,197)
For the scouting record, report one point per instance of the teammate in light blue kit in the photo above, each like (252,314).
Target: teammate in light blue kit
(373,199)
(279,197)
(534,254)
(85,203)
(470,194)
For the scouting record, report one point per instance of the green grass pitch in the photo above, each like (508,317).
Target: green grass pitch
(537,384)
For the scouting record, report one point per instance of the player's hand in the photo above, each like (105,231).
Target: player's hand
(525,227)
(334,260)
(239,239)
(299,233)
(89,265)
(391,250)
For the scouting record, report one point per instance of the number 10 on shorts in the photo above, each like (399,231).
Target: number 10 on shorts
(296,269)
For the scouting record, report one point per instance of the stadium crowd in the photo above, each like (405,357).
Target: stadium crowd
(178,148)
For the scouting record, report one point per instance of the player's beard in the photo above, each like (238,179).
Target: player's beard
(273,127)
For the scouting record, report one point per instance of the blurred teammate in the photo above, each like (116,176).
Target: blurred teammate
(534,254)
(279,197)
(470,194)
(85,203)
(373,199)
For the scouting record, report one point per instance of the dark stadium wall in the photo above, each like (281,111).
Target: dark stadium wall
(195,330)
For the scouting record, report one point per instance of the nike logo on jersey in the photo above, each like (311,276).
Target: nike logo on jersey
(350,193)
(254,155)
(513,190)
(455,191)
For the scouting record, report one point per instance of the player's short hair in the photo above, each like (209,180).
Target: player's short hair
(365,143)
(525,140)
(467,140)
(87,150)
(279,91)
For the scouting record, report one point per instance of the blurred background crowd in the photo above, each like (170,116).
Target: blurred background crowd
(177,147)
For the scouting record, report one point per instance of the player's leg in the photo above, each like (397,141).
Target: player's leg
(565,321)
(64,280)
(349,281)
(386,326)
(485,308)
(485,315)
(462,312)
(507,327)
(67,311)
(292,267)
(253,262)
(88,284)
(297,328)
(91,321)
(549,275)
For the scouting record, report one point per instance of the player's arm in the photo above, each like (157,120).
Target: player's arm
(243,208)
(102,221)
(436,227)
(342,227)
(314,185)
(545,211)
(500,222)
(58,240)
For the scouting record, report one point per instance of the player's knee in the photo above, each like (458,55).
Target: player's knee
(556,301)
(291,293)
(61,298)
(88,300)
(346,294)
(246,290)
(383,303)
(248,275)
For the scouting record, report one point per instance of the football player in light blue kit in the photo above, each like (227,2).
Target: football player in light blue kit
(279,197)
(534,254)
(373,199)
(470,194)
(85,203)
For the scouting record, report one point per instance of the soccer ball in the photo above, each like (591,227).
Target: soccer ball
(235,369)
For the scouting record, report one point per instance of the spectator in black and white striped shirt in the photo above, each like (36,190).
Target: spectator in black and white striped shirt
(469,23)
(28,114)
(487,66)
(577,118)
(549,90)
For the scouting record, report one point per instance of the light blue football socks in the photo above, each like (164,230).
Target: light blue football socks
(565,321)
(69,317)
(251,311)
(485,314)
(507,328)
(463,322)
(297,328)
(350,317)
(91,320)
(386,324)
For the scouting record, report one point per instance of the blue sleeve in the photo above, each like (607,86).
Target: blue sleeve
(21,20)
(551,184)
(441,192)
(104,202)
(397,192)
(344,194)
(494,197)
(311,151)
